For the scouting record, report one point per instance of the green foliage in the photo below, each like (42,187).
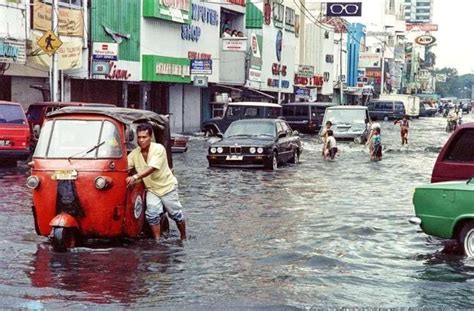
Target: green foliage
(455,85)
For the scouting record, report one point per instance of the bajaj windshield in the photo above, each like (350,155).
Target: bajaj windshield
(89,139)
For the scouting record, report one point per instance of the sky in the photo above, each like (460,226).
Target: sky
(455,38)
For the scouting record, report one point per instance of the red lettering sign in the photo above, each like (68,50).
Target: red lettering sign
(117,74)
(276,69)
(316,81)
(238,2)
(197,55)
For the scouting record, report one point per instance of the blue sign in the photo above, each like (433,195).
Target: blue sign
(347,9)
(8,51)
(190,32)
(279,39)
(201,66)
(204,14)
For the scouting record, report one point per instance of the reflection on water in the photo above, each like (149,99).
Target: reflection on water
(321,234)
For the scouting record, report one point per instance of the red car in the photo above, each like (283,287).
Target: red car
(14,133)
(179,143)
(456,159)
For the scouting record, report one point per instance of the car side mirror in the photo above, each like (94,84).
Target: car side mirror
(220,135)
(36,131)
(281,135)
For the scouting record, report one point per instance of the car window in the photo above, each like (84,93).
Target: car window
(12,114)
(301,111)
(289,111)
(399,106)
(233,112)
(251,112)
(279,127)
(461,149)
(273,112)
(370,106)
(285,127)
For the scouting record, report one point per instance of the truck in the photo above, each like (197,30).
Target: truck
(410,102)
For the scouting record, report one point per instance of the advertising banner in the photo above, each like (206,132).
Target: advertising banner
(178,11)
(71,22)
(255,70)
(70,53)
(201,66)
(104,51)
(12,51)
(234,44)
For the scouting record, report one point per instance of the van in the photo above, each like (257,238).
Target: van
(305,116)
(348,122)
(410,102)
(14,133)
(456,159)
(237,111)
(386,109)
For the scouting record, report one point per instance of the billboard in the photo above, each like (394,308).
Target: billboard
(346,9)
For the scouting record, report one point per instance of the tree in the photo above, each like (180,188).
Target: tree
(455,85)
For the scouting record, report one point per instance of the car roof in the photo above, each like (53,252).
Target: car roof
(71,104)
(321,104)
(254,104)
(257,120)
(339,107)
(124,115)
(4,102)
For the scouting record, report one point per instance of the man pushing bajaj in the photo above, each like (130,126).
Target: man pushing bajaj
(151,163)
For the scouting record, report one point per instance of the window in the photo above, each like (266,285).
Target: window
(251,112)
(289,111)
(11,114)
(301,111)
(461,148)
(279,128)
(233,112)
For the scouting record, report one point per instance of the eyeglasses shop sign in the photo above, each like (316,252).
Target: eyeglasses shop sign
(234,44)
(344,9)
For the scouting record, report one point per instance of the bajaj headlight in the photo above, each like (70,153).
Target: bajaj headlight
(32,182)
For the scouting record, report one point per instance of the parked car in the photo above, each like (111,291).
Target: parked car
(456,159)
(240,110)
(179,143)
(305,116)
(256,143)
(465,105)
(410,102)
(14,133)
(348,122)
(445,210)
(426,110)
(386,109)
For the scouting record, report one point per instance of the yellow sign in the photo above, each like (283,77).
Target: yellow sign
(49,43)
(69,54)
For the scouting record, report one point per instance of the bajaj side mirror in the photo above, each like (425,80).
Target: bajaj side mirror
(36,131)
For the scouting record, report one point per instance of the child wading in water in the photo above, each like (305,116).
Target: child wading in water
(330,148)
(404,125)
(376,151)
(324,135)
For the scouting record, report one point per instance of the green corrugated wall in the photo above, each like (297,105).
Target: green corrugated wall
(122,16)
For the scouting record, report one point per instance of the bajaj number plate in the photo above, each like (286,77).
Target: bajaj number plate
(65,175)
(4,142)
(234,157)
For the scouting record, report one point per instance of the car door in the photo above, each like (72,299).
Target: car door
(286,141)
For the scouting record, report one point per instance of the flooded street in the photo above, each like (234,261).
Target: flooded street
(317,234)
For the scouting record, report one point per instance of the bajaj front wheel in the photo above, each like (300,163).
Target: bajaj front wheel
(63,238)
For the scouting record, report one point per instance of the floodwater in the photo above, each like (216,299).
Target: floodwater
(317,234)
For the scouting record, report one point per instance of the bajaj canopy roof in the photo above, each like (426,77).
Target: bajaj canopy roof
(124,115)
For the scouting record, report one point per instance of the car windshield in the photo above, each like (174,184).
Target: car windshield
(250,129)
(12,114)
(341,116)
(77,139)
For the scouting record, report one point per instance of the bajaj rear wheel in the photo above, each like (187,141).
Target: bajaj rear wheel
(63,238)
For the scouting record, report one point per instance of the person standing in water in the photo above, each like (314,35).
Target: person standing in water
(373,125)
(324,134)
(330,148)
(376,152)
(404,126)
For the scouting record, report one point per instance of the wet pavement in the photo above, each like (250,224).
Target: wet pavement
(317,234)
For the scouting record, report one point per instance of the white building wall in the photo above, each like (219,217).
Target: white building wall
(190,103)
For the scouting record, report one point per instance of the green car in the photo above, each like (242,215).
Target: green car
(446,210)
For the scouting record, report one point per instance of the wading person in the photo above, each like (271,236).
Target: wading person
(373,125)
(376,152)
(324,135)
(330,148)
(404,126)
(151,163)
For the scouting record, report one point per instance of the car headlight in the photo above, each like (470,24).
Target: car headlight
(102,183)
(252,149)
(213,150)
(32,182)
(260,150)
(220,150)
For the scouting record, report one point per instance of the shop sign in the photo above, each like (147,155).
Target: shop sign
(205,15)
(302,93)
(197,55)
(285,84)
(314,81)
(277,13)
(117,73)
(276,69)
(71,22)
(104,51)
(278,44)
(255,70)
(421,27)
(12,51)
(346,9)
(425,40)
(190,32)
(172,69)
(367,59)
(100,68)
(290,19)
(201,66)
(173,10)
(267,12)
(237,2)
(200,81)
(373,73)
(234,44)
(305,71)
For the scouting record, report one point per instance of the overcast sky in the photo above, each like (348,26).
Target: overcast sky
(455,37)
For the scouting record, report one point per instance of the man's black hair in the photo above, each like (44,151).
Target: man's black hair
(330,133)
(145,127)
(374,118)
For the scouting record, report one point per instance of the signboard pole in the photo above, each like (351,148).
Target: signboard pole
(281,57)
(382,77)
(54,27)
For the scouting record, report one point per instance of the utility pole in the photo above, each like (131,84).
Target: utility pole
(382,76)
(54,72)
(340,71)
(281,56)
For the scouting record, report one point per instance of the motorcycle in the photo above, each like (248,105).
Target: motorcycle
(78,174)
(451,125)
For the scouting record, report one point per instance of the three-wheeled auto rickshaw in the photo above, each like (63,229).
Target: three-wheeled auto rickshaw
(78,174)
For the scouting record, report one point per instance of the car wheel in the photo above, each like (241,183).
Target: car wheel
(466,239)
(296,157)
(272,163)
(385,118)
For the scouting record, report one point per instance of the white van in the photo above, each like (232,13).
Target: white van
(348,122)
(411,103)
